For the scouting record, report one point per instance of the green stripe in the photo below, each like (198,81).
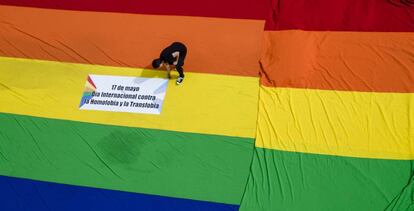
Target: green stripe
(297,181)
(185,165)
(404,200)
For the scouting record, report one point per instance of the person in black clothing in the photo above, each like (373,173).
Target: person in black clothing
(172,55)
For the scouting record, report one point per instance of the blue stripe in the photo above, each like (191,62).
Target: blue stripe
(24,194)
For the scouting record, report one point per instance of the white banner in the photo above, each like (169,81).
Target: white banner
(124,94)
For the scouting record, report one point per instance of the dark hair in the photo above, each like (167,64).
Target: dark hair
(156,63)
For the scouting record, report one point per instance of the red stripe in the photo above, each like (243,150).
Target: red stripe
(318,15)
(91,82)
(342,15)
(246,9)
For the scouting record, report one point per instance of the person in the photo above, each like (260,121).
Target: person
(174,54)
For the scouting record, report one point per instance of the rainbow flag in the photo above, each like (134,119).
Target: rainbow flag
(286,105)
(334,127)
(195,155)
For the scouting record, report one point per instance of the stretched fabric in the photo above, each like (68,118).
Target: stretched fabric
(23,194)
(334,129)
(195,155)
(286,105)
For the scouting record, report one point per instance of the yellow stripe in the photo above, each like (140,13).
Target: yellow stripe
(88,86)
(88,89)
(355,124)
(204,103)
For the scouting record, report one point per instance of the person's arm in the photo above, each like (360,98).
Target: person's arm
(167,66)
(176,56)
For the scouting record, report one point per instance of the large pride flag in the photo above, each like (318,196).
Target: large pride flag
(286,105)
(335,123)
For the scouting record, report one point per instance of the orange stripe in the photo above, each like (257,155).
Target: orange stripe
(348,61)
(223,46)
